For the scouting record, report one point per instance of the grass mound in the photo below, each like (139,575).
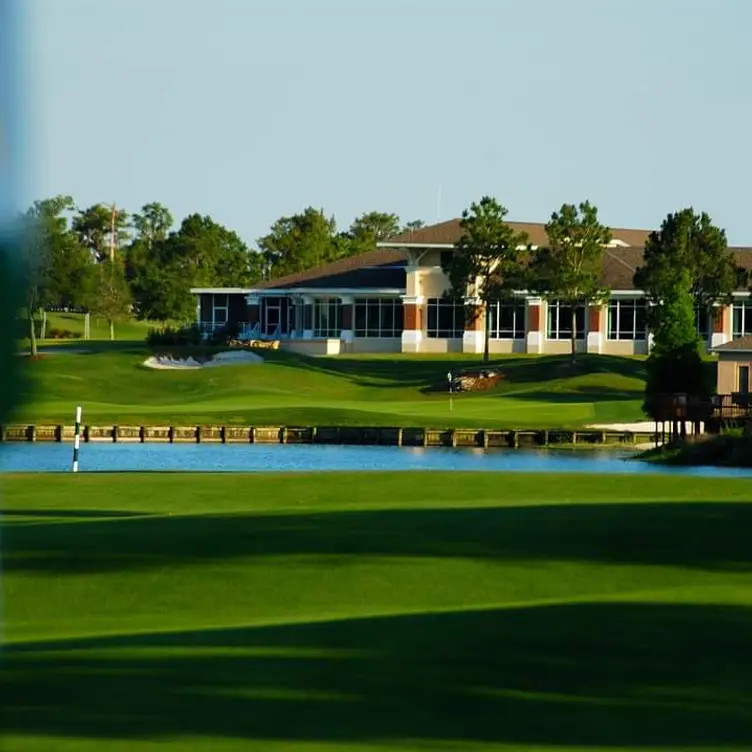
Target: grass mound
(289,389)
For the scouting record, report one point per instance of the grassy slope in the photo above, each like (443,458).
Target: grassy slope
(374,612)
(378,390)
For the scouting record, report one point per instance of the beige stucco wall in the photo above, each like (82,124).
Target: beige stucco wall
(506,346)
(728,371)
(312,346)
(428,283)
(376,345)
(562,346)
(431,345)
(624,347)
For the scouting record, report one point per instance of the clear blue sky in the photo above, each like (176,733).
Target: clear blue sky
(251,109)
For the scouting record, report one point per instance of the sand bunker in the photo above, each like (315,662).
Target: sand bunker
(233,358)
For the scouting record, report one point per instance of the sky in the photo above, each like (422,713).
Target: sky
(248,110)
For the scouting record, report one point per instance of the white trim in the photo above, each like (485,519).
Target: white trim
(473,341)
(221,290)
(717,339)
(595,342)
(413,300)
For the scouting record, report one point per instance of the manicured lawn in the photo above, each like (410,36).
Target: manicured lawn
(130,330)
(376,612)
(114,387)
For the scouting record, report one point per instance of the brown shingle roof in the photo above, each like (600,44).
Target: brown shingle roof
(448,233)
(743,344)
(385,267)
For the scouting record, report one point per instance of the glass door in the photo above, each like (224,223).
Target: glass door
(271,318)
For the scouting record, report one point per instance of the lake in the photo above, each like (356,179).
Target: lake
(254,458)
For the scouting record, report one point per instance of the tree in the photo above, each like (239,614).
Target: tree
(689,243)
(568,269)
(111,296)
(45,236)
(413,226)
(675,364)
(374,226)
(300,242)
(487,259)
(94,227)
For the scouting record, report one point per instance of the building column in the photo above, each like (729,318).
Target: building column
(307,322)
(473,338)
(721,331)
(595,328)
(412,328)
(534,331)
(348,318)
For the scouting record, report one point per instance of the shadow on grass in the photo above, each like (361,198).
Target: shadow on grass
(426,371)
(697,535)
(589,674)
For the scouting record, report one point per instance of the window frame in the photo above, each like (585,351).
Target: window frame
(626,333)
(744,307)
(434,308)
(333,329)
(564,334)
(519,320)
(386,309)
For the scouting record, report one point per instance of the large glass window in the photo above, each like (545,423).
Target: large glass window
(561,317)
(627,318)
(742,318)
(702,322)
(327,318)
(220,308)
(507,320)
(446,318)
(378,317)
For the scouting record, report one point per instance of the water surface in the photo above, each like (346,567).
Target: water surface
(253,458)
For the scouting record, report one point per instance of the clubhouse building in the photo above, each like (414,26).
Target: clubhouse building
(390,300)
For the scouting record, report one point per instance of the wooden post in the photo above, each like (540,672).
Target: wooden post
(32,433)
(574,437)
(425,437)
(114,434)
(399,437)
(252,435)
(171,434)
(283,435)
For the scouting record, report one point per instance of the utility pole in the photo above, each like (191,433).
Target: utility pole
(112,232)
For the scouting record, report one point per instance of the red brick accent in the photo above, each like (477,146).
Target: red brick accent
(412,317)
(594,319)
(719,320)
(347,316)
(475,318)
(534,320)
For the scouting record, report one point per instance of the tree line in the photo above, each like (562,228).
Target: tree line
(687,266)
(117,264)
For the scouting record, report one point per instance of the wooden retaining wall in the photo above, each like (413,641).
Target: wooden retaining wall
(335,435)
